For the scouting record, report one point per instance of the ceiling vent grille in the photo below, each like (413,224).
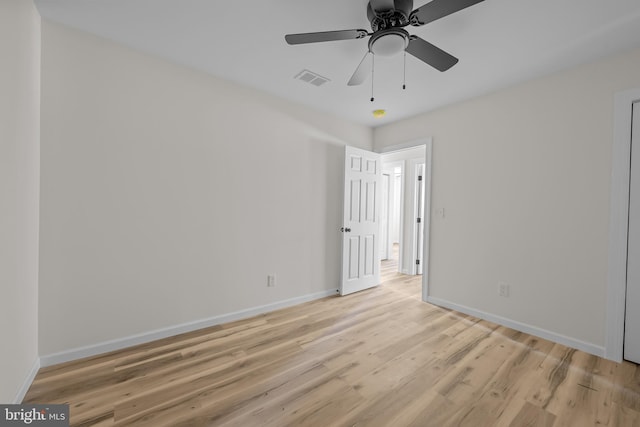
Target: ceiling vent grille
(311,78)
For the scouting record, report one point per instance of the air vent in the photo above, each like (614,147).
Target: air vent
(311,78)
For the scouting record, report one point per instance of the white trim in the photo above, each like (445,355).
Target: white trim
(27,382)
(401,225)
(404,146)
(522,327)
(427,220)
(120,343)
(412,180)
(618,223)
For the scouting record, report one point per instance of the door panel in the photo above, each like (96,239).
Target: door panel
(369,255)
(370,202)
(632,316)
(354,257)
(360,243)
(354,213)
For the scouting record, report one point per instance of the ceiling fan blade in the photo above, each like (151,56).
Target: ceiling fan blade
(437,9)
(432,55)
(363,70)
(325,36)
(380,6)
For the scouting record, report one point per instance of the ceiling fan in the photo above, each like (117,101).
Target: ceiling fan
(388,19)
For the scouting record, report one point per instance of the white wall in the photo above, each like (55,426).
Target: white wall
(168,195)
(19,189)
(524,177)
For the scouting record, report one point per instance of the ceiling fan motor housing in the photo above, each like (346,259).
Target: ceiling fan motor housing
(383,19)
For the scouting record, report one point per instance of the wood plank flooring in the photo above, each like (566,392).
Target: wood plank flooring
(380,357)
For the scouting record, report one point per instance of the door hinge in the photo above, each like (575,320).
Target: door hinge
(419,177)
(417,262)
(419,220)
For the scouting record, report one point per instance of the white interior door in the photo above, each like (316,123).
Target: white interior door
(632,316)
(361,220)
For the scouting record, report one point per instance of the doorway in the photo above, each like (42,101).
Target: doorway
(364,182)
(406,180)
(391,211)
(403,216)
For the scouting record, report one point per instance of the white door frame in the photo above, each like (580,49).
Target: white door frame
(419,213)
(411,179)
(618,223)
(427,142)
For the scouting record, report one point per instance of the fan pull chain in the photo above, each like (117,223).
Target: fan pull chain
(404,73)
(373,63)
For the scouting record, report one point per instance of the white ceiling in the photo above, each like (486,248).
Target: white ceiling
(498,42)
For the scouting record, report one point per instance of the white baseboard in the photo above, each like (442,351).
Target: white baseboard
(118,344)
(27,382)
(522,327)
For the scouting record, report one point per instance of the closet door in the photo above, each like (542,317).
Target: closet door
(632,316)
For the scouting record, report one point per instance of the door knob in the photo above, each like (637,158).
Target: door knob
(345,230)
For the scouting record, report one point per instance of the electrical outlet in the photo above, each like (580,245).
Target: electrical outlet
(271,281)
(503,290)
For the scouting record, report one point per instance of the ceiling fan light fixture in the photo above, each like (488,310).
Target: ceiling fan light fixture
(389,42)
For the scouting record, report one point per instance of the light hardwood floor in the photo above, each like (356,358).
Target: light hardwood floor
(380,357)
